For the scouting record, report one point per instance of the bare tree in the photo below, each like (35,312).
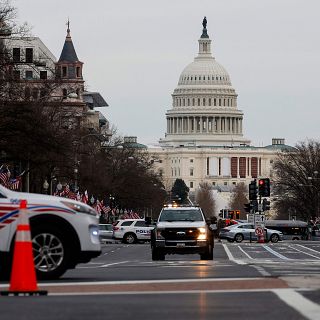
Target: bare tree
(239,198)
(296,181)
(205,200)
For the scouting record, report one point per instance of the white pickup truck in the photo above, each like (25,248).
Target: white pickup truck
(64,232)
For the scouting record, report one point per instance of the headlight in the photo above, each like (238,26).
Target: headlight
(80,208)
(202,234)
(158,234)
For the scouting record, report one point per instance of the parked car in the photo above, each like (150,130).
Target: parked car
(246,231)
(105,231)
(132,230)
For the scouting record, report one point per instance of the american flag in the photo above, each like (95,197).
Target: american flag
(85,197)
(5,176)
(98,207)
(14,184)
(134,215)
(104,209)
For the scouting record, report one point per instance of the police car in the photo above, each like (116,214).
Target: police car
(132,230)
(182,230)
(64,232)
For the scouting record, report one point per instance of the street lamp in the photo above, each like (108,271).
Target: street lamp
(45,186)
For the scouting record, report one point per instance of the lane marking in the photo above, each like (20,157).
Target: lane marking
(112,264)
(54,284)
(277,254)
(295,300)
(316,251)
(245,253)
(309,254)
(231,257)
(169,292)
(262,271)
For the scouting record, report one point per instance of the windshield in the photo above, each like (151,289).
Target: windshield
(181,215)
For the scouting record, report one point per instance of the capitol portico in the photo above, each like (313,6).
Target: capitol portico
(204,139)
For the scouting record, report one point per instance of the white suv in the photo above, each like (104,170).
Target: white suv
(64,232)
(132,230)
(182,230)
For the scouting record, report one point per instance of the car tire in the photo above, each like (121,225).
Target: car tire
(238,237)
(157,255)
(130,238)
(274,238)
(51,252)
(208,255)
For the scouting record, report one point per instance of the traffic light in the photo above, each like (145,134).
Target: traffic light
(264,187)
(231,214)
(265,205)
(253,190)
(247,207)
(221,213)
(237,214)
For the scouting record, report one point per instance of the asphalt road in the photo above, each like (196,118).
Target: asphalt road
(244,281)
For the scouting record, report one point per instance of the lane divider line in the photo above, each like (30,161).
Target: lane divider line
(231,257)
(245,253)
(309,254)
(112,264)
(275,253)
(295,300)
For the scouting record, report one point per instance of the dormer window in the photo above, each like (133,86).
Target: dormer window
(78,72)
(64,71)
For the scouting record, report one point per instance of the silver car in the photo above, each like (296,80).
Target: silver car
(105,231)
(246,231)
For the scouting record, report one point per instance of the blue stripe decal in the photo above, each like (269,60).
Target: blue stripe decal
(12,213)
(8,215)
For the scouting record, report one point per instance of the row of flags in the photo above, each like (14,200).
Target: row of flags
(102,209)
(98,205)
(8,181)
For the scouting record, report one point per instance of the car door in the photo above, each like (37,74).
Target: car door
(248,231)
(142,231)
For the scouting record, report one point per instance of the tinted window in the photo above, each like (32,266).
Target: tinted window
(140,224)
(126,223)
(181,215)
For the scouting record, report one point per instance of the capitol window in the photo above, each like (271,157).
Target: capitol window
(191,184)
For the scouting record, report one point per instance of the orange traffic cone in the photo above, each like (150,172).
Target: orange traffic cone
(23,275)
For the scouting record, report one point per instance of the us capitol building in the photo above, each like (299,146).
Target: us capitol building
(204,139)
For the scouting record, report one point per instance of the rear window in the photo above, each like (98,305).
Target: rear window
(181,215)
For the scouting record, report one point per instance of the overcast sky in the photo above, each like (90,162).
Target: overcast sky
(134,52)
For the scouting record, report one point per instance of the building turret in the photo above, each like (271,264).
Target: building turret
(68,65)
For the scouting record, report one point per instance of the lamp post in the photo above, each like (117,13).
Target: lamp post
(45,186)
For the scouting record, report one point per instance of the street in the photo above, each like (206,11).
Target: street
(244,281)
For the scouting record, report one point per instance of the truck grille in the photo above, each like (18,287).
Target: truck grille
(180,234)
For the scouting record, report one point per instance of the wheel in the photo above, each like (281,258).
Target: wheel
(208,255)
(274,238)
(129,238)
(238,237)
(157,255)
(51,252)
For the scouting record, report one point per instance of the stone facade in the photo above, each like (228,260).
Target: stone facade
(204,136)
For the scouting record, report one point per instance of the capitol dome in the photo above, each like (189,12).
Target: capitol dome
(204,71)
(204,104)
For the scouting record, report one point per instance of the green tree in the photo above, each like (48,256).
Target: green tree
(180,191)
